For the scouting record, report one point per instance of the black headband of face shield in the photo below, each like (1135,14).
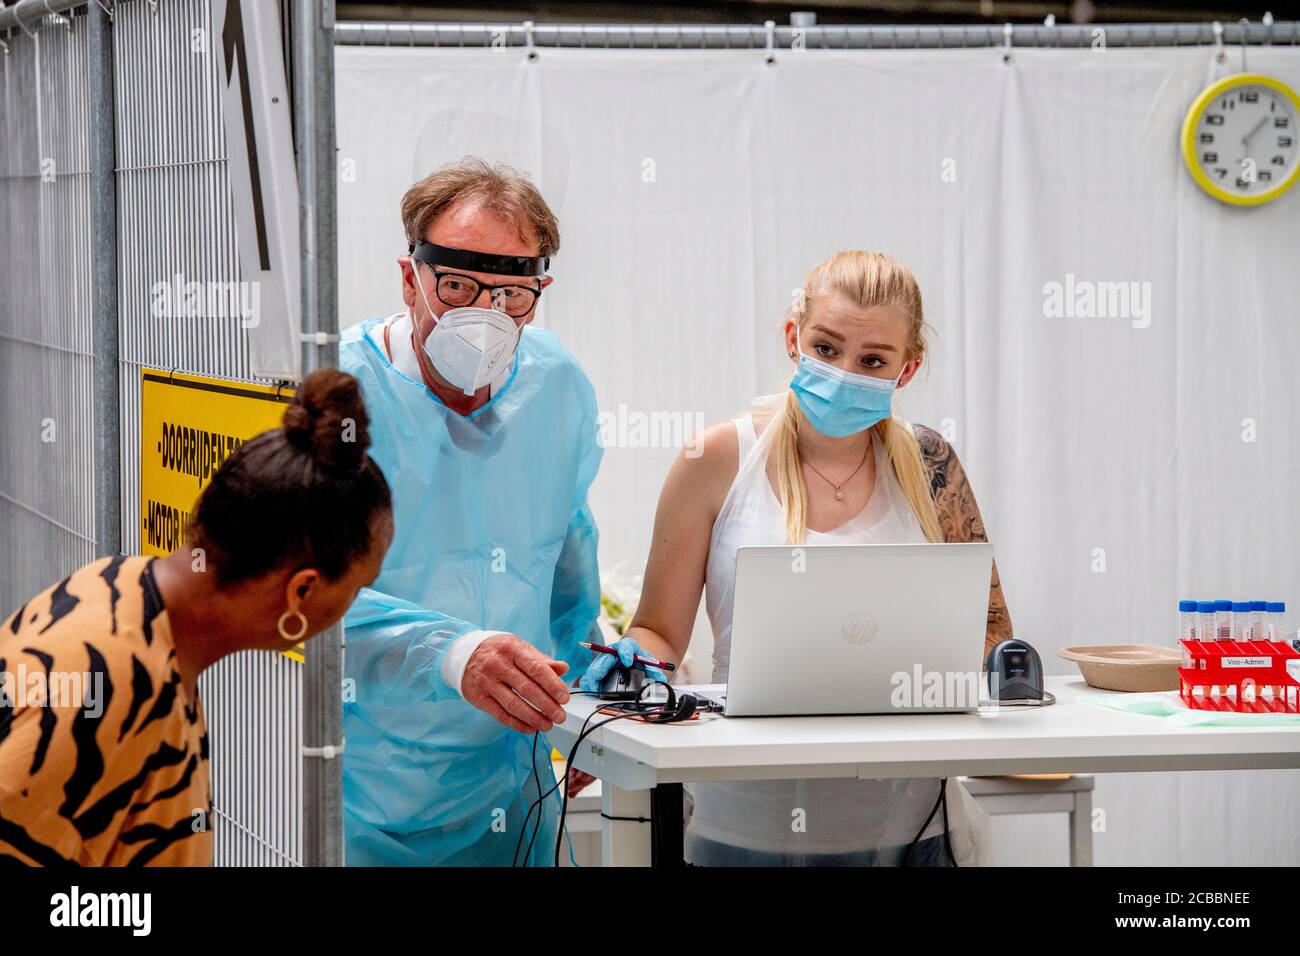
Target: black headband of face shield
(435,255)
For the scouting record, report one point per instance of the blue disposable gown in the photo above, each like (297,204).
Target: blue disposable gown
(492,532)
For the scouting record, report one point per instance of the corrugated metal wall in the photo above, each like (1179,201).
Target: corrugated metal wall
(175,220)
(174,224)
(47,516)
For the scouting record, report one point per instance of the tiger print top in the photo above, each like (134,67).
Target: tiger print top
(103,753)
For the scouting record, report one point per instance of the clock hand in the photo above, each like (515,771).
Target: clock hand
(1245,140)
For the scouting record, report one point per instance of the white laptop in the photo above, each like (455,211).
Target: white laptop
(858,629)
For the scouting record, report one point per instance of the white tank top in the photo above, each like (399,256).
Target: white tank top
(751,515)
(802,816)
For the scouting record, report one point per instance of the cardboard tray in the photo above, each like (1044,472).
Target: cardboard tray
(1135,668)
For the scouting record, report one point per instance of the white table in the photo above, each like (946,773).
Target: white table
(642,766)
(1071,796)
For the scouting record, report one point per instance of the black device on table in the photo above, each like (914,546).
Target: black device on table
(1016,675)
(622,683)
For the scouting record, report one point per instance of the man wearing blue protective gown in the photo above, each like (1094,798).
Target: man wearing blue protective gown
(486,429)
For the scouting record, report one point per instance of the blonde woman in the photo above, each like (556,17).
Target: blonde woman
(825,463)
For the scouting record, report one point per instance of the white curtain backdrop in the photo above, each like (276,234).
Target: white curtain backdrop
(1121,463)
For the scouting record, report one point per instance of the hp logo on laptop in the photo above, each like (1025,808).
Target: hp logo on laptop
(858,628)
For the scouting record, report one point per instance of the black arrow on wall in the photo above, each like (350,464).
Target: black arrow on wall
(235,45)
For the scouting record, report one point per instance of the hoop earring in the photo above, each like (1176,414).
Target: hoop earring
(279,626)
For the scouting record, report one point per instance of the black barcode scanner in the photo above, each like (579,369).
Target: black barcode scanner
(1016,675)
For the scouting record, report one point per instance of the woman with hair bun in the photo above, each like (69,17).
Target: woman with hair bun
(108,763)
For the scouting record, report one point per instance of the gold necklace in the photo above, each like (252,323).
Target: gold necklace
(839,494)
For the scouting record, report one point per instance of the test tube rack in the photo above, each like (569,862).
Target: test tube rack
(1248,677)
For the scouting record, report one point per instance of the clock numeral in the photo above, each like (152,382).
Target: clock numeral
(1284,141)
(1278,160)
(1248,97)
(1242,183)
(1213,119)
(1220,172)
(1282,122)
(1207,138)
(1265,176)
(1209,157)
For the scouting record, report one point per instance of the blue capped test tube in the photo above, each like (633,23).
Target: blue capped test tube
(1257,620)
(1205,629)
(1241,621)
(1187,620)
(1223,620)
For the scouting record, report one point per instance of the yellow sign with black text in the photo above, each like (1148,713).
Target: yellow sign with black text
(189,425)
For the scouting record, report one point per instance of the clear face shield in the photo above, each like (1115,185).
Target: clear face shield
(473,347)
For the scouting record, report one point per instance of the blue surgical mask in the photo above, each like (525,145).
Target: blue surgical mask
(839,403)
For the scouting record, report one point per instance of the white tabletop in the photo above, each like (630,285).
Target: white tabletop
(1068,736)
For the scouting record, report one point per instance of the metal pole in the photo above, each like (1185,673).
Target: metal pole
(312,23)
(813,36)
(103,295)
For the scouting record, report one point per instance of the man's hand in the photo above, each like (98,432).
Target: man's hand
(505,675)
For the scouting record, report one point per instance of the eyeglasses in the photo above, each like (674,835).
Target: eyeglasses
(458,290)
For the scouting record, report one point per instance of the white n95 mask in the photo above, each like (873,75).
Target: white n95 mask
(472,347)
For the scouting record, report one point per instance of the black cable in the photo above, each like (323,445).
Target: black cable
(911,847)
(637,708)
(947,840)
(583,734)
(537,804)
(537,782)
(573,753)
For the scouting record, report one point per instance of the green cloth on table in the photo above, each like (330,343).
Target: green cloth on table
(1169,705)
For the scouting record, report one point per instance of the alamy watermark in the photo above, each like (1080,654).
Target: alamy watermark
(1085,299)
(926,690)
(133,911)
(39,688)
(628,428)
(192,300)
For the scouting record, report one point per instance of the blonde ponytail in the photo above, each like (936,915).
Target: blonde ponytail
(868,278)
(787,468)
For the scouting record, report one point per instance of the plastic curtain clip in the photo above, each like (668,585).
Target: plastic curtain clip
(327,752)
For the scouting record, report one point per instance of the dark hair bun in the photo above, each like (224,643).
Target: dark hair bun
(328,421)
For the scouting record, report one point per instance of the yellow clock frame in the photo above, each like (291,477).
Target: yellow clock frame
(1193,118)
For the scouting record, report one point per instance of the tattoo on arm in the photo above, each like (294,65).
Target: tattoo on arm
(959,515)
(999,623)
(959,519)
